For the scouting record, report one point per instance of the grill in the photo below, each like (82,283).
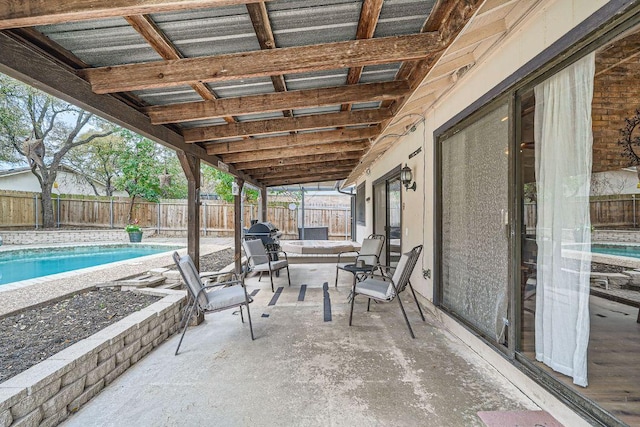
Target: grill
(266,232)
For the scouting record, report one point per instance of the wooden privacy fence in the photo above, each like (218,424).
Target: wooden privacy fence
(22,209)
(618,212)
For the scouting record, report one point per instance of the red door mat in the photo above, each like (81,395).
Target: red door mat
(518,419)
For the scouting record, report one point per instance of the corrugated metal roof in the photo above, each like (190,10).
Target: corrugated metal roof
(303,23)
(102,42)
(228,29)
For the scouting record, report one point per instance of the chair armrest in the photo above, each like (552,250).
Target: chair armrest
(279,252)
(347,252)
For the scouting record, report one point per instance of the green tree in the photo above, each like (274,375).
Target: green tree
(140,170)
(99,160)
(221,182)
(42,130)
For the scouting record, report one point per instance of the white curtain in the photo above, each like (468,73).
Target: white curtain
(563,142)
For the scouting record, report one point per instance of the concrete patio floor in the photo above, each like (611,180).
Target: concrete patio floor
(305,371)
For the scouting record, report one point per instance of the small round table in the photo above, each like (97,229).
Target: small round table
(356,269)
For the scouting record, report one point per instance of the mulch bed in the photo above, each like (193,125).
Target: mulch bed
(36,334)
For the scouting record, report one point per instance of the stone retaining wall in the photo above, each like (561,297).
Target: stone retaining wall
(48,392)
(621,236)
(34,237)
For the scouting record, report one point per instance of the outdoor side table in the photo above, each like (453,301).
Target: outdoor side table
(356,269)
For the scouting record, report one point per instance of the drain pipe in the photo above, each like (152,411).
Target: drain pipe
(353,208)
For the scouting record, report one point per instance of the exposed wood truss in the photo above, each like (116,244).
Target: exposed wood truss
(247,85)
(276,101)
(262,63)
(28,13)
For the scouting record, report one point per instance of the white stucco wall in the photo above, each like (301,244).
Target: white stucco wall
(549,21)
(68,183)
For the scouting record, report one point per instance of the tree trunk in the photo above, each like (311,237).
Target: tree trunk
(48,220)
(133,200)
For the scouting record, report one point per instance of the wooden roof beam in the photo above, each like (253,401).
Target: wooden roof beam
(262,63)
(262,26)
(287,124)
(28,65)
(369,14)
(320,169)
(269,102)
(277,153)
(148,29)
(305,179)
(267,171)
(292,141)
(29,13)
(302,160)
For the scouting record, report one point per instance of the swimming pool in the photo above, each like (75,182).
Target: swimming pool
(632,251)
(23,264)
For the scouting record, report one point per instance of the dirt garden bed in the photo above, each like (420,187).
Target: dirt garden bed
(36,334)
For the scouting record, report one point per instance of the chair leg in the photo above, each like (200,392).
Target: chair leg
(353,298)
(417,303)
(337,269)
(368,304)
(250,324)
(288,275)
(260,276)
(404,313)
(241,316)
(271,278)
(185,320)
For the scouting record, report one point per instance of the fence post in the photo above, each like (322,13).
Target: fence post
(58,210)
(204,217)
(35,204)
(346,225)
(158,217)
(111,212)
(633,196)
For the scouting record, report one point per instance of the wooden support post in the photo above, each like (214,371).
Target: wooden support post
(237,220)
(263,204)
(191,167)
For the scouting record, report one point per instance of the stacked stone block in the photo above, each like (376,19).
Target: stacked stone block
(47,393)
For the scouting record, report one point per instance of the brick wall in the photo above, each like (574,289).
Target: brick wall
(65,236)
(616,96)
(48,392)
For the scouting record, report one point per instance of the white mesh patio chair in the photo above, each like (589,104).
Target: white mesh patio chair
(213,297)
(260,261)
(385,289)
(369,253)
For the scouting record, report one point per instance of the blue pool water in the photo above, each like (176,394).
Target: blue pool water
(632,251)
(31,263)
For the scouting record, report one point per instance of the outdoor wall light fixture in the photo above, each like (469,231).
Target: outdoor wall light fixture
(406,177)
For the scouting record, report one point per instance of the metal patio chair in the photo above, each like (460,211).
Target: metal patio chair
(369,254)
(385,289)
(211,297)
(260,261)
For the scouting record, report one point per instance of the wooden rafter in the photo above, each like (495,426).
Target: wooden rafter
(292,141)
(262,26)
(268,102)
(278,153)
(287,124)
(262,63)
(262,173)
(369,14)
(447,18)
(325,168)
(302,160)
(305,179)
(29,13)
(148,29)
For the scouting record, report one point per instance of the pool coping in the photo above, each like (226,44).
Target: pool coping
(18,299)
